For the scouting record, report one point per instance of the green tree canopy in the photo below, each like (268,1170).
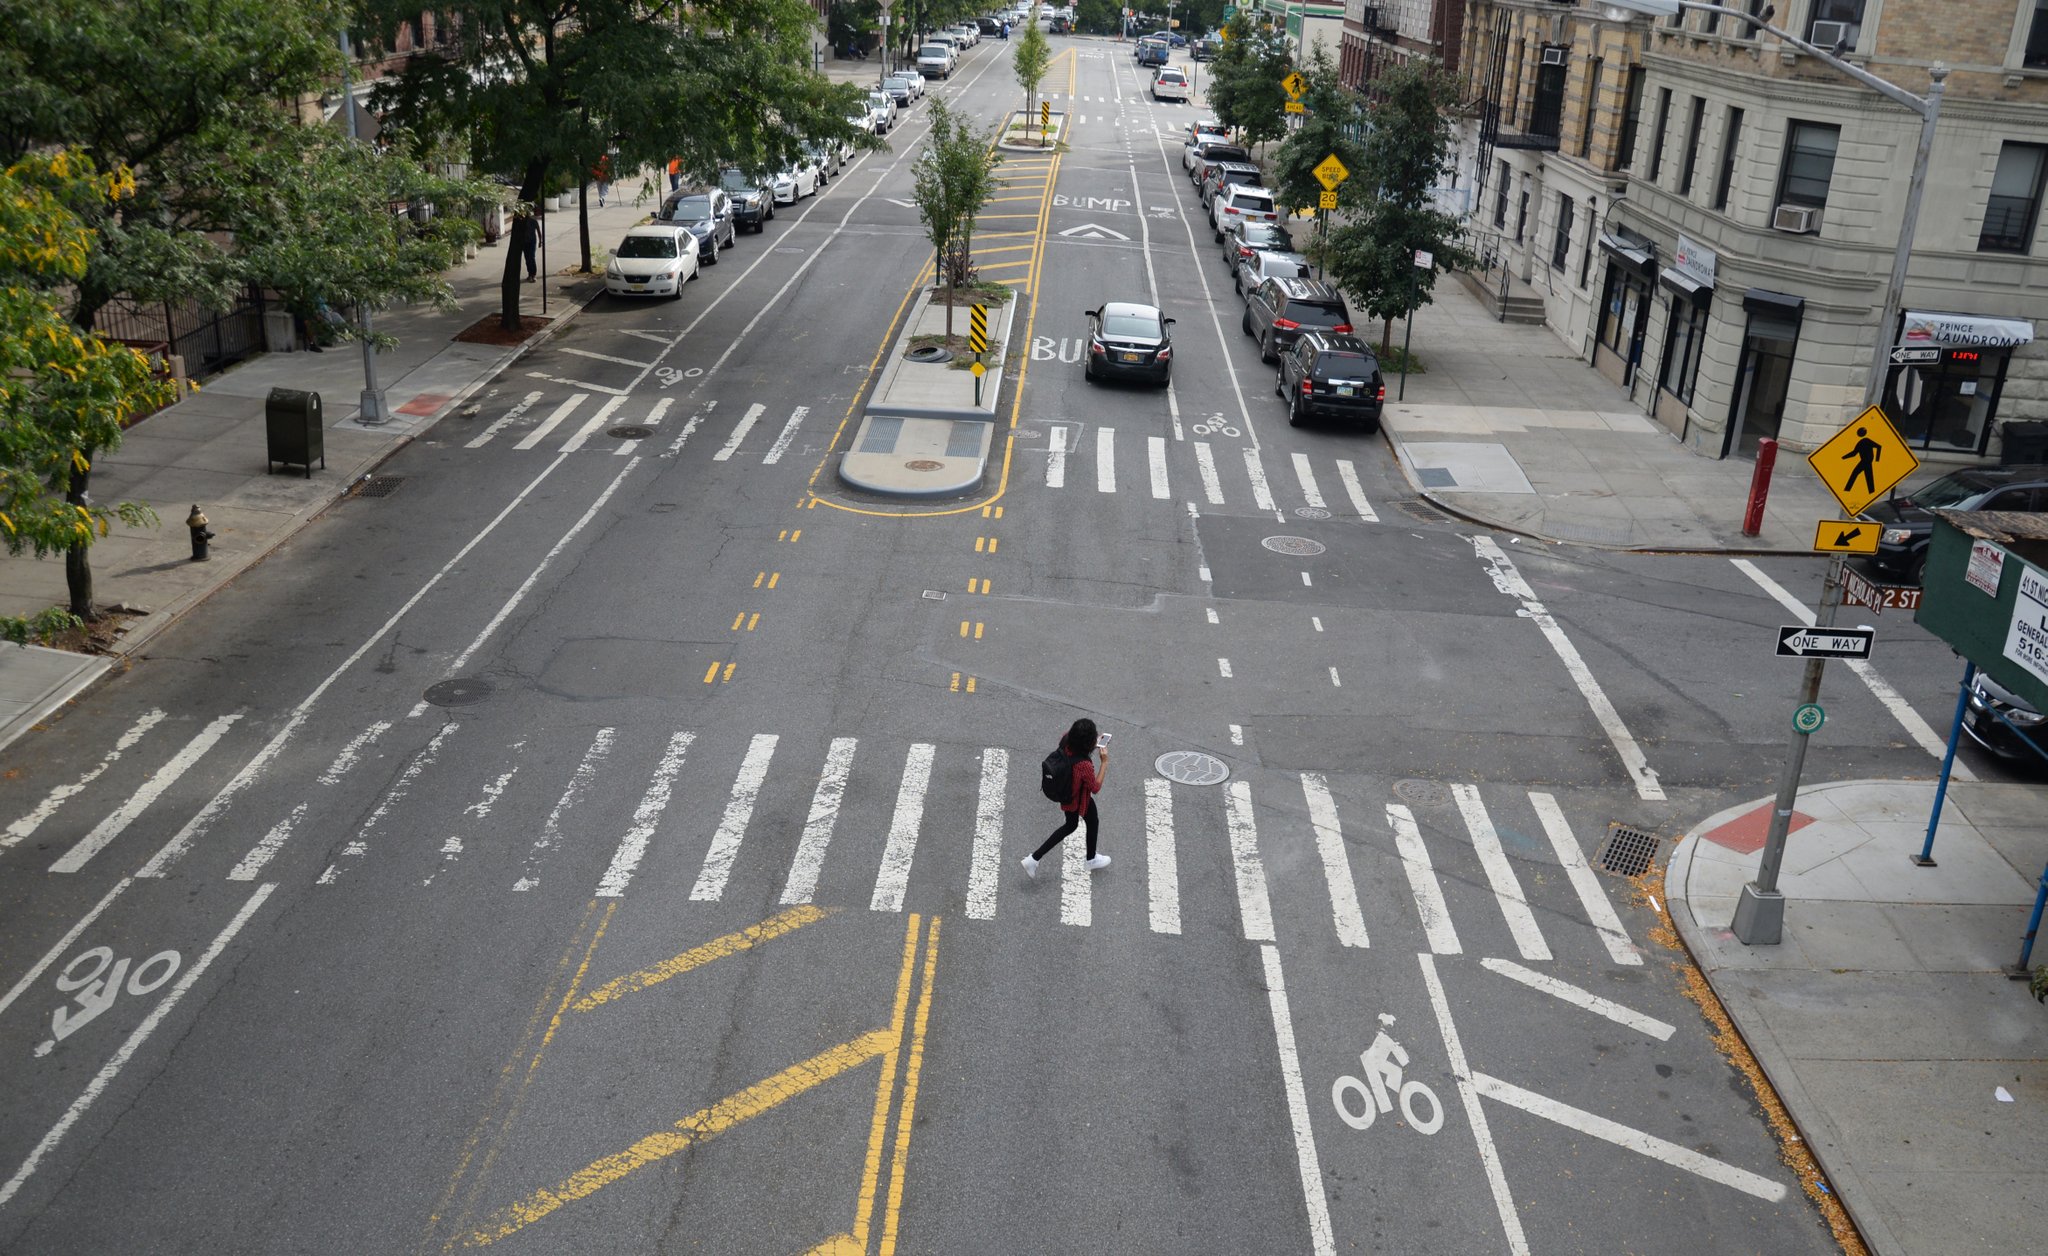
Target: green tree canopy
(955,176)
(1327,129)
(1244,81)
(1032,57)
(63,393)
(1406,153)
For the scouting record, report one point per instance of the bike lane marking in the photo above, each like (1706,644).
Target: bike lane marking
(1580,997)
(1475,1115)
(1320,1236)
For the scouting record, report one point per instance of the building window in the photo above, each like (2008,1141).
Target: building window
(1836,23)
(1521,216)
(2015,199)
(1692,145)
(1682,347)
(1586,252)
(1632,115)
(1657,141)
(1546,114)
(1809,163)
(2036,54)
(1500,203)
(1561,248)
(1593,107)
(1731,137)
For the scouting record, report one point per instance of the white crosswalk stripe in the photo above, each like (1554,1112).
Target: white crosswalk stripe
(1105,459)
(1064,447)
(553,421)
(1272,870)
(592,425)
(739,433)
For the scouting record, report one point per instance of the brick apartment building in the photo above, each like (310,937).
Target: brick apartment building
(1709,218)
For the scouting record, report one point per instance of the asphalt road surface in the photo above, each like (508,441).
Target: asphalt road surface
(610,844)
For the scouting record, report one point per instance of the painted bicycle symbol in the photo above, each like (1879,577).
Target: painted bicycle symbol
(94,979)
(669,376)
(1382,1063)
(1213,426)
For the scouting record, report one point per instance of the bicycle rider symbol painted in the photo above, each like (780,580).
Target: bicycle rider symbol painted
(1213,426)
(1359,1103)
(97,977)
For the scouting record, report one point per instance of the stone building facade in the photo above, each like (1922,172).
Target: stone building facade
(1710,217)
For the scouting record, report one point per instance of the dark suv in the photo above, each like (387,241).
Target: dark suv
(1330,374)
(1217,175)
(1902,546)
(1279,310)
(753,200)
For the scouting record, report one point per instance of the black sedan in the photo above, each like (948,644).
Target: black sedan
(1988,700)
(1129,341)
(1902,546)
(1333,375)
(708,215)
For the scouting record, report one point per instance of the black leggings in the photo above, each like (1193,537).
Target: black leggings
(1074,819)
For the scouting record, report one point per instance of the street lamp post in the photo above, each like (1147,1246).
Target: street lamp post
(370,407)
(1760,912)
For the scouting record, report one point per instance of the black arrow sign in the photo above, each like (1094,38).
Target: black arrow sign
(1846,537)
(1797,641)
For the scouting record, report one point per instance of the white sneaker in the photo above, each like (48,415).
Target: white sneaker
(1098,863)
(1030,867)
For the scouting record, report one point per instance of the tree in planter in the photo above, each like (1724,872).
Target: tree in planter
(1406,152)
(1325,130)
(62,392)
(1032,57)
(954,177)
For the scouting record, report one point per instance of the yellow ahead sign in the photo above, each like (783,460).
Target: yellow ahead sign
(1860,463)
(1295,106)
(1845,536)
(1295,84)
(1330,172)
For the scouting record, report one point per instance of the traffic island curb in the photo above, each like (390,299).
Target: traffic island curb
(921,433)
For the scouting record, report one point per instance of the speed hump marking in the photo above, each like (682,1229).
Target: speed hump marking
(1330,172)
(1845,536)
(1862,462)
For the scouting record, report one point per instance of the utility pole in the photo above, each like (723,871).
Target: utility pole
(1760,911)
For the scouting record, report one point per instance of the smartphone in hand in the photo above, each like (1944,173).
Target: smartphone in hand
(1102,741)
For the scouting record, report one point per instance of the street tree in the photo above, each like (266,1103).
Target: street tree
(1327,129)
(540,89)
(1031,58)
(1406,153)
(1245,89)
(64,394)
(954,176)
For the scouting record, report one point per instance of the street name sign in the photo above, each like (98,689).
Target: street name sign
(1845,536)
(1915,355)
(1860,463)
(1797,641)
(1858,591)
(1330,172)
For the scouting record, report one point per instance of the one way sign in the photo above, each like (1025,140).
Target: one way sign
(1796,641)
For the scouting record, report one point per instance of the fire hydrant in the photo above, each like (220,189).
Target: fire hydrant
(196,521)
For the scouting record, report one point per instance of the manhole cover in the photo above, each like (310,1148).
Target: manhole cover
(923,464)
(1299,546)
(661,508)
(377,486)
(930,353)
(1422,793)
(630,431)
(462,691)
(1311,512)
(1191,767)
(1417,509)
(1629,852)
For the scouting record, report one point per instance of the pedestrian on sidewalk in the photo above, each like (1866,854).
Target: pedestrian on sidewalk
(675,174)
(1069,779)
(526,225)
(602,174)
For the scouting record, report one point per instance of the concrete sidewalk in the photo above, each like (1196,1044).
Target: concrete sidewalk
(1915,1069)
(1509,429)
(208,450)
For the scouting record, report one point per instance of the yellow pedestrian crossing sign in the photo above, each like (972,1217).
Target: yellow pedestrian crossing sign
(1295,84)
(1330,172)
(1845,536)
(1862,462)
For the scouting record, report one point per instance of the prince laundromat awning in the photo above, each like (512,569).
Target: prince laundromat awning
(1965,331)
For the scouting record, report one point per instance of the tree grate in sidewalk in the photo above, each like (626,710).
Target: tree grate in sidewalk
(1629,852)
(376,486)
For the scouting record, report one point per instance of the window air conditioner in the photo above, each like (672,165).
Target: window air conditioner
(1555,55)
(1796,219)
(1828,34)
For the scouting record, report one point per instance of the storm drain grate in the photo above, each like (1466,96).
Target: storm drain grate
(377,486)
(629,431)
(923,464)
(1629,852)
(1415,508)
(1298,546)
(1191,767)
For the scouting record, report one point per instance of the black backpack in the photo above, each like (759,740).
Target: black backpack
(1056,776)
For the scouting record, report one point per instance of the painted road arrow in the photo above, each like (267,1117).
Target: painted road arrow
(1797,641)
(1093,231)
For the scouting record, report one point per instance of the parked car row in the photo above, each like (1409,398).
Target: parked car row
(695,224)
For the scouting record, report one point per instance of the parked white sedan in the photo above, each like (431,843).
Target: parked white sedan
(796,182)
(655,260)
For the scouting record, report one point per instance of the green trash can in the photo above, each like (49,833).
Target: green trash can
(291,421)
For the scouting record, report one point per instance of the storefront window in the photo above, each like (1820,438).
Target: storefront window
(1627,292)
(1688,332)
(1948,405)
